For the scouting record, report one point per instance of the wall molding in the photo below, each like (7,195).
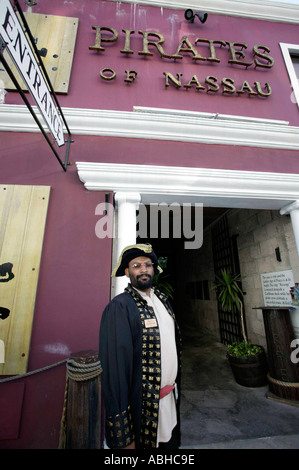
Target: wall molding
(287,50)
(211,187)
(163,124)
(256,9)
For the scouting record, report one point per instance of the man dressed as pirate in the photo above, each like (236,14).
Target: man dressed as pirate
(139,353)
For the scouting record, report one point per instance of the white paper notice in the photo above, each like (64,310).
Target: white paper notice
(276,288)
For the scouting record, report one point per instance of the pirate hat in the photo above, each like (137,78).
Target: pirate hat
(131,252)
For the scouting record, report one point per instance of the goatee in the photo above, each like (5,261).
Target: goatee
(144,281)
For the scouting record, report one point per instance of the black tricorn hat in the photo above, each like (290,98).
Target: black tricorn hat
(131,252)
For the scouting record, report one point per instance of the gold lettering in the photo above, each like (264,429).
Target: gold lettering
(130,76)
(236,55)
(157,44)
(127,49)
(259,89)
(99,39)
(213,86)
(269,59)
(107,77)
(210,80)
(194,80)
(169,76)
(185,41)
(246,87)
(211,43)
(228,85)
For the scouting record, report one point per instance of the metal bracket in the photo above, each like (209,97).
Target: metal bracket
(3,45)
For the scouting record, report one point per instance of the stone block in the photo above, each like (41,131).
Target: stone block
(255,251)
(264,217)
(267,247)
(260,234)
(250,223)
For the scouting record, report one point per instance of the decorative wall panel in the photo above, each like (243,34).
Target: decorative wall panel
(23,212)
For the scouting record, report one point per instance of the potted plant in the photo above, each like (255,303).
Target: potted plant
(247,360)
(160,281)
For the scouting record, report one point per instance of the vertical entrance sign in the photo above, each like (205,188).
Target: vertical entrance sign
(24,53)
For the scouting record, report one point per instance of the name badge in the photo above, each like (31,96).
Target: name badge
(150,323)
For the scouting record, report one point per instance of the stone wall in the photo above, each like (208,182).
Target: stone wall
(195,266)
(260,232)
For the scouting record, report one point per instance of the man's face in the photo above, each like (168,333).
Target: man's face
(141,272)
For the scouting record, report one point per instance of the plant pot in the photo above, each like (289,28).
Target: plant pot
(250,371)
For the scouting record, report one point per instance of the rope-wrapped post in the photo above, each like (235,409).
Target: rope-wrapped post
(283,373)
(82,413)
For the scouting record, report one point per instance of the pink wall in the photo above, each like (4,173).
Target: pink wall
(88,90)
(74,284)
(75,269)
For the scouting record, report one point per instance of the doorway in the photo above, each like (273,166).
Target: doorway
(190,284)
(226,256)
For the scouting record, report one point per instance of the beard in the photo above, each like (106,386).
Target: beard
(143,282)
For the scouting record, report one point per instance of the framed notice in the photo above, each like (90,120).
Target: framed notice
(276,288)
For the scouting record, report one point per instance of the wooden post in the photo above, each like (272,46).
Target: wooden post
(83,397)
(283,373)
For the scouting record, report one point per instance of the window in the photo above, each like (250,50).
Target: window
(290,53)
(295,60)
(197,290)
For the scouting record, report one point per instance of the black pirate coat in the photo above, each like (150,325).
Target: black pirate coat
(131,362)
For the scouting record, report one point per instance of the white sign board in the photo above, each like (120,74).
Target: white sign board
(23,56)
(276,288)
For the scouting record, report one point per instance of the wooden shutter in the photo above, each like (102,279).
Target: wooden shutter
(57,34)
(23,211)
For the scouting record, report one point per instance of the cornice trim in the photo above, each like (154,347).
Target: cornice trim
(255,9)
(163,124)
(222,188)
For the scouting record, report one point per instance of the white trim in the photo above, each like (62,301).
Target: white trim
(218,188)
(287,50)
(294,206)
(199,114)
(255,9)
(293,210)
(161,124)
(127,204)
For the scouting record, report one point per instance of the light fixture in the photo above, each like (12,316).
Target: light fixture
(189,15)
(31,3)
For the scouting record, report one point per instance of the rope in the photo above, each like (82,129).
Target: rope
(284,384)
(26,374)
(75,371)
(80,372)
(63,423)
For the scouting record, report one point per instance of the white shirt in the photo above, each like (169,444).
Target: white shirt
(169,365)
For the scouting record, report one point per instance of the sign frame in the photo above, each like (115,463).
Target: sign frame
(276,287)
(34,74)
